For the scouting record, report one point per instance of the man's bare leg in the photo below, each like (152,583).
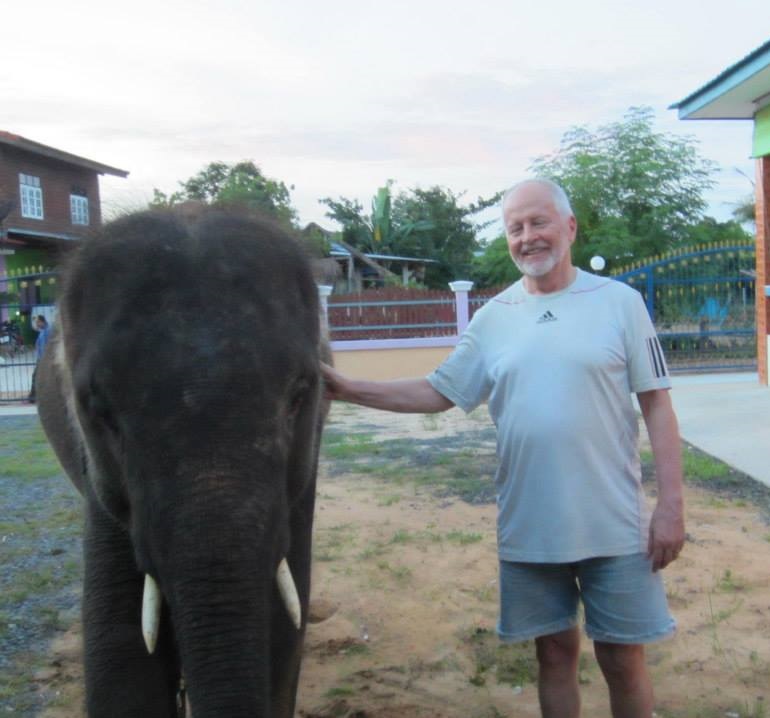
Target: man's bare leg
(557,680)
(625,671)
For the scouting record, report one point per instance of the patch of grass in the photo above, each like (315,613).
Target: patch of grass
(512,664)
(702,468)
(402,536)
(331,542)
(729,583)
(12,685)
(26,454)
(435,464)
(51,618)
(457,476)
(373,551)
(340,692)
(697,467)
(401,574)
(357,649)
(389,500)
(463,537)
(713,502)
(32,583)
(336,445)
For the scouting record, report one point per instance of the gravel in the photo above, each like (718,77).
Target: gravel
(41,558)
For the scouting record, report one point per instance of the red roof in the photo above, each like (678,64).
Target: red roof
(22,143)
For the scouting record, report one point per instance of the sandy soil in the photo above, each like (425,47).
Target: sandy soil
(405,601)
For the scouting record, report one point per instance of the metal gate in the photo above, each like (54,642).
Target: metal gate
(702,303)
(23,296)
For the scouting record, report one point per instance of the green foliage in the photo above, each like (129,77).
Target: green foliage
(710,231)
(494,267)
(512,664)
(381,215)
(27,455)
(427,224)
(439,227)
(241,184)
(635,192)
(317,239)
(745,211)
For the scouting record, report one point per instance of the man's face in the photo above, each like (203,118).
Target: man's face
(539,236)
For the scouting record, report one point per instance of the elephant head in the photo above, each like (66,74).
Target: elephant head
(181,392)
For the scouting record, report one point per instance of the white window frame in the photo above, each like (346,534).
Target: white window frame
(79,209)
(31,196)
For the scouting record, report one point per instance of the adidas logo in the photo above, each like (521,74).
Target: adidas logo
(547,317)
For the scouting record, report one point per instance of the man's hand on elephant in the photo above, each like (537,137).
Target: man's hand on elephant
(333,382)
(666,535)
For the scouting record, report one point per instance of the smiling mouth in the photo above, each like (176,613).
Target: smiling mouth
(533,251)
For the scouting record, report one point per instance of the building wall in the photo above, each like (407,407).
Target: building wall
(384,364)
(56,181)
(763,264)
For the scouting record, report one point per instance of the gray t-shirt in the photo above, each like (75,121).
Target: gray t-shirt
(558,371)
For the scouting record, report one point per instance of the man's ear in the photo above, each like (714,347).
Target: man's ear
(572,224)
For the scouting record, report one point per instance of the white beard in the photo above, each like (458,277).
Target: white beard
(539,266)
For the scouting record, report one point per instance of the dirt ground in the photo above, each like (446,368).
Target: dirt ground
(405,598)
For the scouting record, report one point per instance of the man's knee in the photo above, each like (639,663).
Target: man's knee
(619,661)
(558,650)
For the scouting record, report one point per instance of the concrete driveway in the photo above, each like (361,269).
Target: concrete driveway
(727,416)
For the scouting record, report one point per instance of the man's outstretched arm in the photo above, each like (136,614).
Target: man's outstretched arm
(415,396)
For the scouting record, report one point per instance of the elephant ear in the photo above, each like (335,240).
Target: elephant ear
(56,408)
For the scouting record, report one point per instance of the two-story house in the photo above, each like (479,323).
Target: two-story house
(48,200)
(47,196)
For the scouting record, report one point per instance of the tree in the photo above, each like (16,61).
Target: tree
(241,184)
(635,192)
(428,224)
(744,211)
(494,266)
(438,226)
(710,231)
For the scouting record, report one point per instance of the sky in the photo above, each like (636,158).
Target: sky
(336,97)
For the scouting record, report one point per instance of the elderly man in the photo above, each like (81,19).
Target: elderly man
(557,356)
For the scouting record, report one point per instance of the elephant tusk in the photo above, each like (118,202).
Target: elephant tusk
(288,592)
(151,601)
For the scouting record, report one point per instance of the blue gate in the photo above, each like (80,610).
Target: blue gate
(702,303)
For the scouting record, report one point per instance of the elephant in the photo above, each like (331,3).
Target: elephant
(182,395)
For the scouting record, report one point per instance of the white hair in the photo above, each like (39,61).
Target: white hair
(558,195)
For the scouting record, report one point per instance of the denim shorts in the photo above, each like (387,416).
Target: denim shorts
(623,600)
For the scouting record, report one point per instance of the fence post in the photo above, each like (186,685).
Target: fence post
(324,290)
(651,294)
(461,288)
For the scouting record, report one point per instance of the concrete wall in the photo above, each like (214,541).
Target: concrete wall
(382,359)
(383,364)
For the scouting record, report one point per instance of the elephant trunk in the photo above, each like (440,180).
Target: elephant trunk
(225,604)
(152,599)
(222,629)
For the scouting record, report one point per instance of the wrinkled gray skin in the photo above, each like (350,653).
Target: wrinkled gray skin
(181,393)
